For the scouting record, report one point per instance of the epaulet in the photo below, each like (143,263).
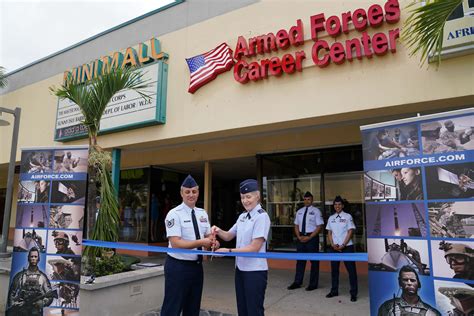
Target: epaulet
(260,211)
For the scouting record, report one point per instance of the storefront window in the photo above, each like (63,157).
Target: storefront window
(134,194)
(325,173)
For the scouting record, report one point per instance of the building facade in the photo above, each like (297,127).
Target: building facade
(307,75)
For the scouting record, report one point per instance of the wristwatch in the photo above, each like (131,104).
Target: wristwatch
(230,250)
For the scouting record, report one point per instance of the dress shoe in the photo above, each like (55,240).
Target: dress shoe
(353,298)
(311,288)
(331,294)
(293,286)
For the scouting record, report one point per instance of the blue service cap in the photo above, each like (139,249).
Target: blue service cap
(249,185)
(308,194)
(189,182)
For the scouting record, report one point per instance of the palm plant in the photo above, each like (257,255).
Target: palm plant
(92,99)
(423,30)
(3,78)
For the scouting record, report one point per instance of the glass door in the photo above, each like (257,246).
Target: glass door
(284,197)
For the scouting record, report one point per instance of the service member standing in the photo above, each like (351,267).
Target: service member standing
(308,224)
(187,227)
(251,229)
(340,228)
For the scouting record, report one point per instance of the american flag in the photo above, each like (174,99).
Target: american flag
(205,67)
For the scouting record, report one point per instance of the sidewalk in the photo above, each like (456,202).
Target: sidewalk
(219,293)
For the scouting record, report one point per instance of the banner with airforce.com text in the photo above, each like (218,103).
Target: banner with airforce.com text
(419,194)
(47,245)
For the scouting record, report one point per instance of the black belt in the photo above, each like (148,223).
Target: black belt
(184,261)
(308,234)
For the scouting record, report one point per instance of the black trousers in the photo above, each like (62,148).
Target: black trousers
(351,269)
(183,287)
(308,247)
(250,289)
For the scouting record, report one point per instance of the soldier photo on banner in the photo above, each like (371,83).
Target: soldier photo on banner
(66,216)
(37,161)
(449,135)
(409,302)
(64,242)
(63,268)
(454,259)
(454,298)
(70,161)
(452,219)
(30,288)
(68,294)
(387,143)
(395,184)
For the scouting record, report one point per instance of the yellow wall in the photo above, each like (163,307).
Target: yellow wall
(224,109)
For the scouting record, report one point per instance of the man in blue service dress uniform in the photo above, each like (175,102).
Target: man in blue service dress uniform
(187,227)
(340,228)
(308,224)
(251,230)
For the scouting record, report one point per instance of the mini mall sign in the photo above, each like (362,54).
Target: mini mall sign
(127,109)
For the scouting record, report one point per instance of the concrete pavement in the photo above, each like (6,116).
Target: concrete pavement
(219,294)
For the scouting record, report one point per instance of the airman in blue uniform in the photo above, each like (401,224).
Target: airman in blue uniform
(340,228)
(187,227)
(308,224)
(251,231)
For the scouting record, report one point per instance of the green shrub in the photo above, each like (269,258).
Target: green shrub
(107,266)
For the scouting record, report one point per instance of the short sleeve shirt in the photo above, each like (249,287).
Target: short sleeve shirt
(313,218)
(179,224)
(339,225)
(246,229)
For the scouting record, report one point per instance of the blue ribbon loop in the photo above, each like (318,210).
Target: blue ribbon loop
(322,256)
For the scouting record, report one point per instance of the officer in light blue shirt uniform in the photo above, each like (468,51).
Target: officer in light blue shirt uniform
(187,227)
(340,228)
(251,231)
(308,224)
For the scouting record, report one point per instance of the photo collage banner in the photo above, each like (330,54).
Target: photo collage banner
(419,194)
(47,245)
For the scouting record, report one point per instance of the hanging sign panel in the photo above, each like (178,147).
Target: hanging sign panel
(127,109)
(47,245)
(419,193)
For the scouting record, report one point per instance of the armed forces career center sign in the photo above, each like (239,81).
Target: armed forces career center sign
(127,109)
(419,193)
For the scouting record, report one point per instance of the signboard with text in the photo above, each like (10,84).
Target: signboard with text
(47,244)
(127,109)
(419,193)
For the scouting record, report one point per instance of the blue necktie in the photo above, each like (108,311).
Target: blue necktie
(303,228)
(196,232)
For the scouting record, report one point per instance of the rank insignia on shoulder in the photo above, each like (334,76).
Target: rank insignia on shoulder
(170,223)
(260,211)
(203,219)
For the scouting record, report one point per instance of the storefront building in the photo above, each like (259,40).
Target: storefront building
(288,112)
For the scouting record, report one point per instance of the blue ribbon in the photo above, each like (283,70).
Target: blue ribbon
(356,256)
